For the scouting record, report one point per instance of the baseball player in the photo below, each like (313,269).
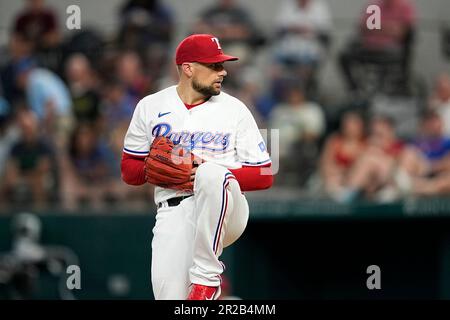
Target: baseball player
(202,149)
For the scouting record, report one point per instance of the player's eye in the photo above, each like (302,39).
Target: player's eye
(215,66)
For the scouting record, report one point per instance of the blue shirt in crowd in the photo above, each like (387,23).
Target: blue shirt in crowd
(433,148)
(44,86)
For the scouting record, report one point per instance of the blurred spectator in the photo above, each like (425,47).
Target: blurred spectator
(48,97)
(86,172)
(82,84)
(391,45)
(238,34)
(28,177)
(301,124)
(39,23)
(341,151)
(117,105)
(233,25)
(5,120)
(425,167)
(19,49)
(5,110)
(440,100)
(125,194)
(8,137)
(170,78)
(431,141)
(130,71)
(372,175)
(87,41)
(147,26)
(145,22)
(302,35)
(106,67)
(301,27)
(432,186)
(405,110)
(250,92)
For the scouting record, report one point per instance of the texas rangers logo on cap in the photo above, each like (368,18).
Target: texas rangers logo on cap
(203,48)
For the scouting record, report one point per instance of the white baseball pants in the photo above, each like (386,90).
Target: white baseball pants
(188,239)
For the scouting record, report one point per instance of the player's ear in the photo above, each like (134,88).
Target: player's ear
(186,68)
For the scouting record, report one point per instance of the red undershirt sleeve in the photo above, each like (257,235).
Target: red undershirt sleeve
(251,178)
(132,169)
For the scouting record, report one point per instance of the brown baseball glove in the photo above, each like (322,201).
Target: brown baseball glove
(169,166)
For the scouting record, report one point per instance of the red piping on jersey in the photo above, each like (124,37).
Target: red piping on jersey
(249,178)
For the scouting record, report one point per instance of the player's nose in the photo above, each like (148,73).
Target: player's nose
(223,73)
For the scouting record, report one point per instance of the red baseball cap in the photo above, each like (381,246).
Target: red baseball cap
(204,48)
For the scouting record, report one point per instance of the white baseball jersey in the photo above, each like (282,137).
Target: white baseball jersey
(221,130)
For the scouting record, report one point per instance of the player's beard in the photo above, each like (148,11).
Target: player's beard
(207,91)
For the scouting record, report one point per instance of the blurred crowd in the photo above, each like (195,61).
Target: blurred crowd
(66,101)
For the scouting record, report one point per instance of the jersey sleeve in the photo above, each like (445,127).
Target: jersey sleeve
(250,146)
(137,141)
